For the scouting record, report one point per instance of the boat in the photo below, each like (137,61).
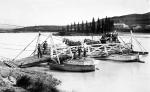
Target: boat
(114,52)
(112,41)
(120,57)
(67,61)
(73,66)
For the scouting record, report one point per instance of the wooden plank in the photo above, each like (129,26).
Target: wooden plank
(32,60)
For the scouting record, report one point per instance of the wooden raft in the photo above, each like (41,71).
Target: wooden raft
(32,61)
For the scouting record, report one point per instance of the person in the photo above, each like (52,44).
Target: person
(74,53)
(84,52)
(79,51)
(45,47)
(39,51)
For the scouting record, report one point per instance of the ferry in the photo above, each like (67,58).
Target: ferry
(115,52)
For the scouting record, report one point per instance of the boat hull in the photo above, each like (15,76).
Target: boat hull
(72,68)
(140,53)
(117,57)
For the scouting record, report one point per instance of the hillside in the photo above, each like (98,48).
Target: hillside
(142,20)
(46,28)
(132,19)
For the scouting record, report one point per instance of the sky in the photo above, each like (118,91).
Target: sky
(63,12)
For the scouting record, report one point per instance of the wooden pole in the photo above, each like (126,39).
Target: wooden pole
(55,50)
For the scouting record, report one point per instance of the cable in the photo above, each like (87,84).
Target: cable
(14,49)
(24,48)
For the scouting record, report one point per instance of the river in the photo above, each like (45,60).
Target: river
(110,76)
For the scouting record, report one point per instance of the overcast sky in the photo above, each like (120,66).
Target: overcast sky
(62,12)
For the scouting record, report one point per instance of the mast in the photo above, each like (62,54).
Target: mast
(55,50)
(131,40)
(38,41)
(105,50)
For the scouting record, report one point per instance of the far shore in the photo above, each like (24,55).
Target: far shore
(78,34)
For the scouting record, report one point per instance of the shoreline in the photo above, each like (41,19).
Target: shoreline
(27,80)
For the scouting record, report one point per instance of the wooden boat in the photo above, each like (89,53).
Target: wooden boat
(75,65)
(115,52)
(65,60)
(120,57)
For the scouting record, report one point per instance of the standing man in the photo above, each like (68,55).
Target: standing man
(39,51)
(79,51)
(74,53)
(84,52)
(45,47)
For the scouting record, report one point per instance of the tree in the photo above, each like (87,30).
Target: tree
(67,28)
(71,27)
(82,27)
(90,27)
(103,25)
(86,27)
(93,26)
(78,27)
(98,26)
(74,26)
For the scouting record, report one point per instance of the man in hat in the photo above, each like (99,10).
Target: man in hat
(45,47)
(39,51)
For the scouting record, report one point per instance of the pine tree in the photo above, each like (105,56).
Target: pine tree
(67,28)
(90,27)
(98,26)
(78,27)
(71,27)
(82,27)
(74,26)
(103,25)
(86,27)
(93,26)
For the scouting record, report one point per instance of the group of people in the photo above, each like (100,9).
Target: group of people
(77,52)
(42,49)
(110,37)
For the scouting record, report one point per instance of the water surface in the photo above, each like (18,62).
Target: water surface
(110,76)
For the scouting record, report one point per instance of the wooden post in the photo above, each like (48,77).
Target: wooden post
(55,49)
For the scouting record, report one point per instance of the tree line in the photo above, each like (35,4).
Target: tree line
(100,26)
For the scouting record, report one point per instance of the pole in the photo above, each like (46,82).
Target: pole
(55,50)
(131,39)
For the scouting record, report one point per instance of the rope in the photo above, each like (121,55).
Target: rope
(37,41)
(124,42)
(24,48)
(10,44)
(137,41)
(139,44)
(15,49)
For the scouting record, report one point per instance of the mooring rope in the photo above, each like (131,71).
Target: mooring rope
(139,44)
(15,49)
(24,48)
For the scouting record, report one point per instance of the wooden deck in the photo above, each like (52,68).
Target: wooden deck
(32,61)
